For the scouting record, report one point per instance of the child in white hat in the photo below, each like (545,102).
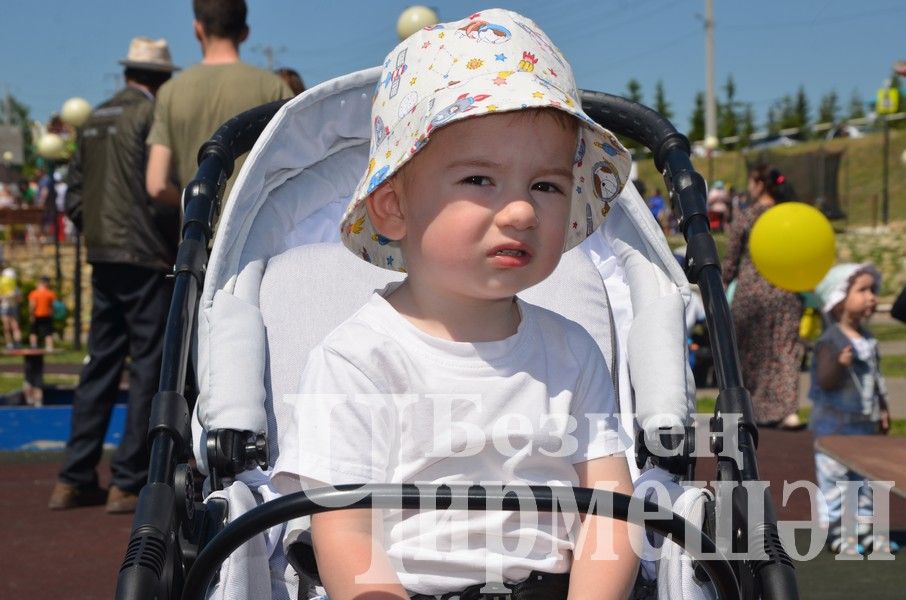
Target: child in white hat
(848,394)
(483,170)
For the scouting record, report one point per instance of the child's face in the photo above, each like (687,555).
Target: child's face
(485,204)
(861,300)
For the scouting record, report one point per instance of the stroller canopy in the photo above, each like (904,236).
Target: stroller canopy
(622,284)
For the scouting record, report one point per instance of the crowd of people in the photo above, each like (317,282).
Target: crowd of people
(723,203)
(136,152)
(847,391)
(45,194)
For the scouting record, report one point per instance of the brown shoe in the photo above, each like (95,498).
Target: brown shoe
(121,501)
(65,495)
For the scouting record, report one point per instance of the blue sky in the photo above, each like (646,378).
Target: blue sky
(52,50)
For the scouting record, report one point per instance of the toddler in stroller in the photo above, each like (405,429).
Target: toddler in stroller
(621,284)
(481,175)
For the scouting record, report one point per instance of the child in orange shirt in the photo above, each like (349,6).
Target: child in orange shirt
(40,303)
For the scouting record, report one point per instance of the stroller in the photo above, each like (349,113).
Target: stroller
(248,316)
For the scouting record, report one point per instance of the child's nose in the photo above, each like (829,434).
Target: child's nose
(519,213)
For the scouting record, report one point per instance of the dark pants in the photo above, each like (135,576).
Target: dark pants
(128,318)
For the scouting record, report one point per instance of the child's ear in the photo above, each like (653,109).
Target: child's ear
(385,211)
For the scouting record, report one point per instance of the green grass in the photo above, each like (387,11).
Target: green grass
(889,332)
(706,404)
(66,356)
(893,366)
(10,382)
(859,178)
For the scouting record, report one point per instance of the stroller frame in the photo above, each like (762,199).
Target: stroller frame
(177,543)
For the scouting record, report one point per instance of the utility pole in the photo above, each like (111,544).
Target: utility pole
(711,141)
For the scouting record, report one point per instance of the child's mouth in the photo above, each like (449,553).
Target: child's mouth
(509,257)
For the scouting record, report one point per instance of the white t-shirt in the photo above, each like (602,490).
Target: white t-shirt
(383,402)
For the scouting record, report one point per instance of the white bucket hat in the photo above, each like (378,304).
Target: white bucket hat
(493,61)
(833,288)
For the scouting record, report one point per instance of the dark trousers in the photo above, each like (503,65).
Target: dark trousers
(128,318)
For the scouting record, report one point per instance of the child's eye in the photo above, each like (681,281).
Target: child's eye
(547,186)
(477,180)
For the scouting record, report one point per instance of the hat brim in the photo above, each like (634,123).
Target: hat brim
(149,66)
(601,167)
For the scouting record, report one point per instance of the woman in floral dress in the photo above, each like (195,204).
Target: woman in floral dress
(766,318)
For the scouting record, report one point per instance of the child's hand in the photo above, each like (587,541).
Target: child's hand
(885,421)
(846,356)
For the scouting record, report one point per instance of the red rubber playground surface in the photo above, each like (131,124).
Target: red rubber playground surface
(76,554)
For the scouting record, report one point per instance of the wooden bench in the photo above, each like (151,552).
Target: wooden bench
(33,384)
(875,457)
(21,216)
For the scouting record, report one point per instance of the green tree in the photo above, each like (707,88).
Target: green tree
(697,122)
(802,112)
(785,111)
(773,118)
(727,118)
(746,125)
(829,108)
(660,101)
(634,90)
(634,93)
(856,105)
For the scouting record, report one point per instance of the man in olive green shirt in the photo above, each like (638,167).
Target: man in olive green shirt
(193,105)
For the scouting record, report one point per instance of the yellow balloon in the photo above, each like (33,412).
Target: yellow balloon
(792,246)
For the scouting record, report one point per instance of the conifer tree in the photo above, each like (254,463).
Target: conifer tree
(829,108)
(697,122)
(660,101)
(856,106)
(727,118)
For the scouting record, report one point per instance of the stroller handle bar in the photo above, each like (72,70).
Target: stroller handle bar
(167,521)
(635,121)
(544,498)
(772,578)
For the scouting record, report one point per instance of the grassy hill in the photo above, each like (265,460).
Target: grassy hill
(859,179)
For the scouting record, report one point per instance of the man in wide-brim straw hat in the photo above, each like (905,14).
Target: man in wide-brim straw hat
(131,242)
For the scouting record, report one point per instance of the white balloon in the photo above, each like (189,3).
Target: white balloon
(414,18)
(51,146)
(75,111)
